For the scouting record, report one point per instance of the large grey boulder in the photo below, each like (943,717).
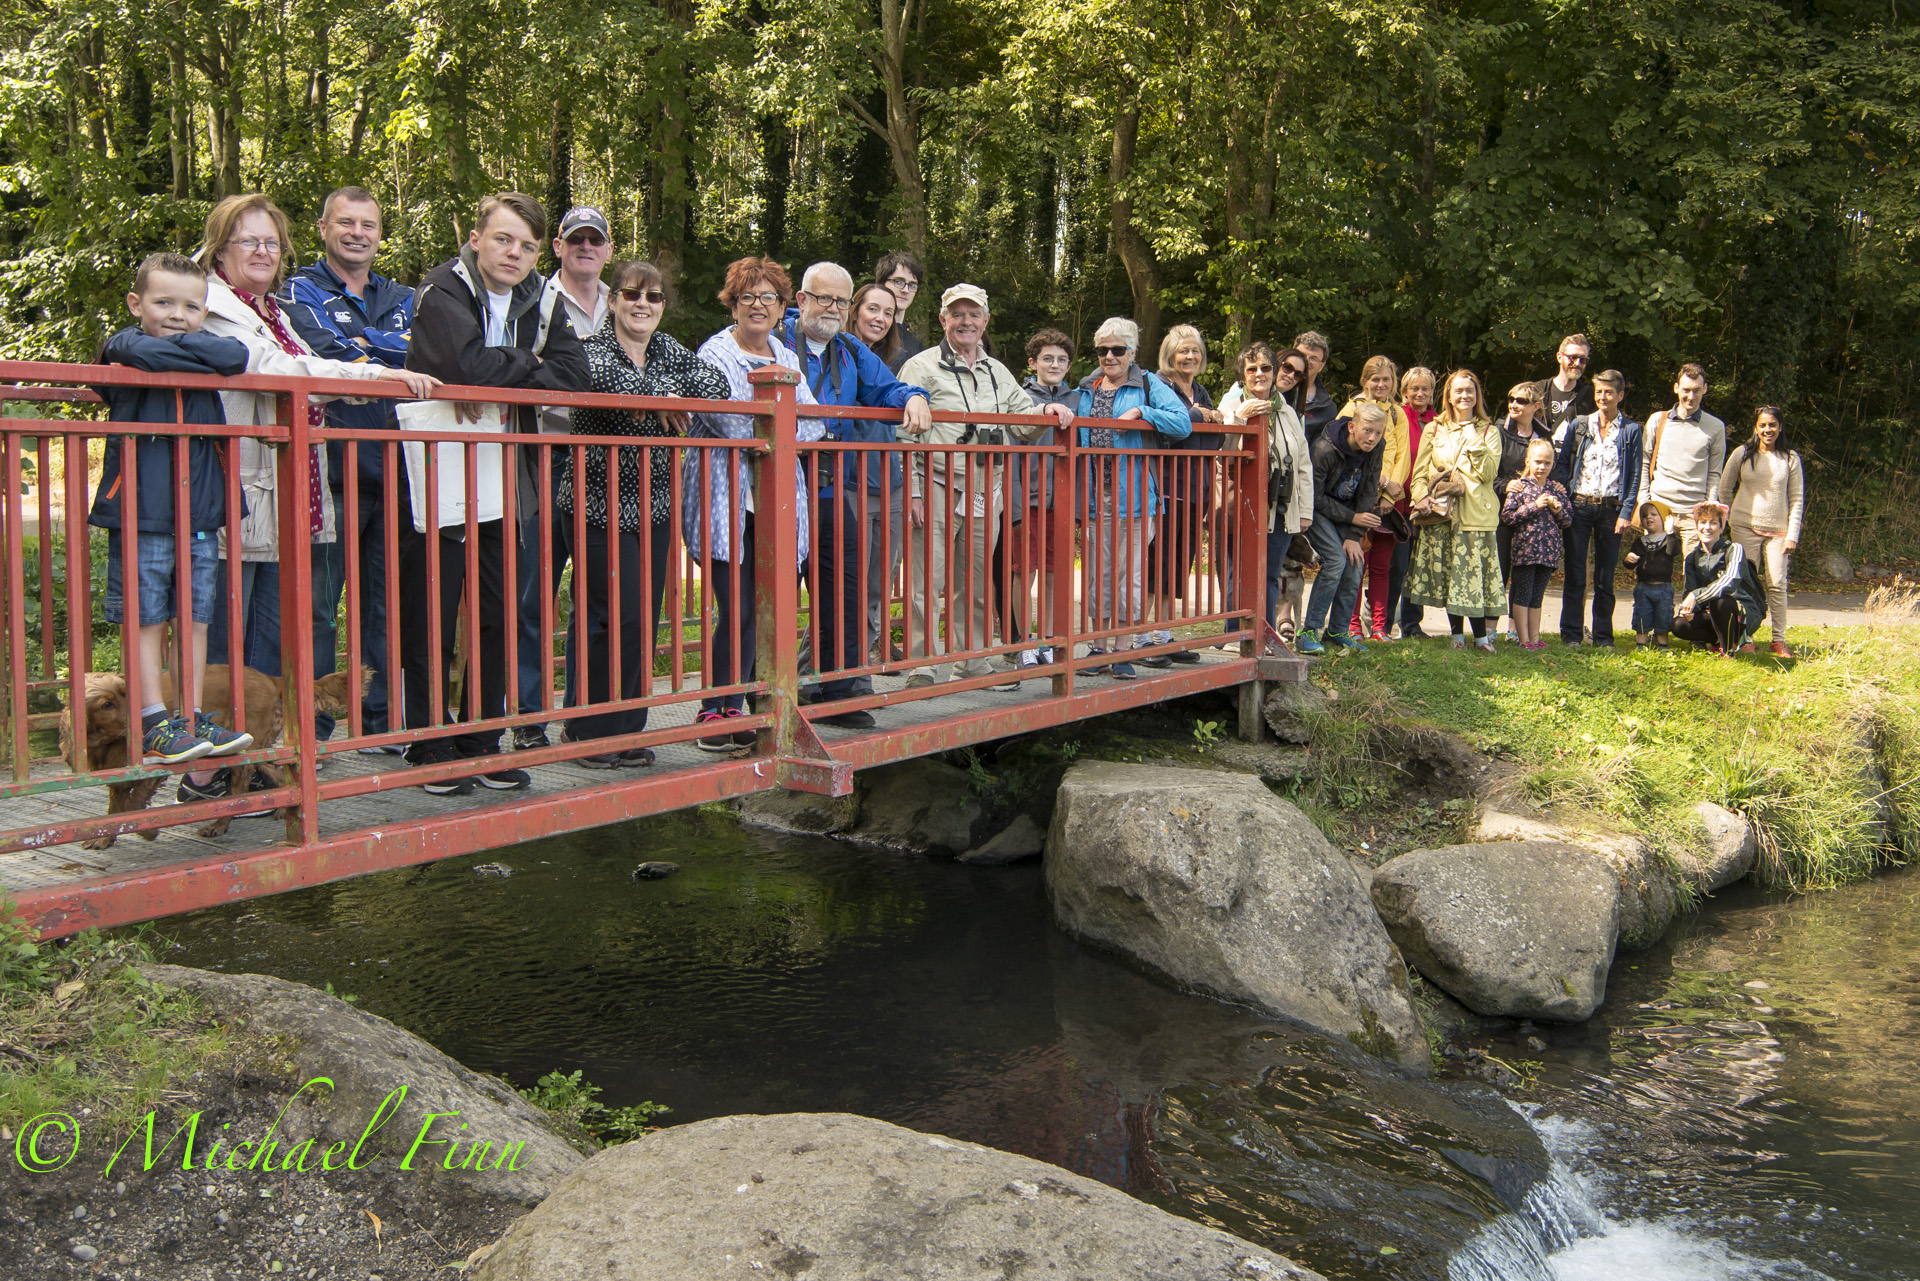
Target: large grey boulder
(1217,883)
(310,1034)
(1519,928)
(922,805)
(833,1197)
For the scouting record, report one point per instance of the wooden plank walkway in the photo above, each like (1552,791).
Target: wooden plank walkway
(39,872)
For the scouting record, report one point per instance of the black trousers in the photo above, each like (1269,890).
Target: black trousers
(1714,622)
(840,606)
(489,648)
(733,623)
(641,587)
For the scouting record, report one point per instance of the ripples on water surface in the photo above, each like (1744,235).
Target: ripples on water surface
(1724,1124)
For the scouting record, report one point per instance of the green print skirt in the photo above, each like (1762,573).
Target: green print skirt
(1457,570)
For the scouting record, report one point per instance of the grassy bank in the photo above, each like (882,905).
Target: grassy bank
(1637,737)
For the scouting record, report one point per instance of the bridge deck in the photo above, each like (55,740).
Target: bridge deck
(69,888)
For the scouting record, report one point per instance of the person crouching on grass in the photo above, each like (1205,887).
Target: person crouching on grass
(1724,600)
(1538,512)
(1652,556)
(169,299)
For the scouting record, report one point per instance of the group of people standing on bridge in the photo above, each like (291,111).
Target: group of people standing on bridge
(1414,485)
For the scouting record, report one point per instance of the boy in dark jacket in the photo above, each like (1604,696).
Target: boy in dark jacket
(1346,489)
(482,319)
(169,299)
(1724,600)
(1654,550)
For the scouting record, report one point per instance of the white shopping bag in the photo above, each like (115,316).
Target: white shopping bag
(450,466)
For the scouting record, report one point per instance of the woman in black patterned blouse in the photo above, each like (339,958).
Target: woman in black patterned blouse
(629,356)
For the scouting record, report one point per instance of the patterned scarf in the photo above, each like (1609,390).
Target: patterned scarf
(268,309)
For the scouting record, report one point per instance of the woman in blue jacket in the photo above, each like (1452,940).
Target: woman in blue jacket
(1122,497)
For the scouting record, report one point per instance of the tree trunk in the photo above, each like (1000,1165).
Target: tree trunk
(1136,255)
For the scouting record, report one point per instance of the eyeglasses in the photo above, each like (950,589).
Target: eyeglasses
(1113,351)
(253,244)
(654,296)
(903,284)
(831,304)
(593,238)
(764,299)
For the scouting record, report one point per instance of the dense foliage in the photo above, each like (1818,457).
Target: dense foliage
(1723,180)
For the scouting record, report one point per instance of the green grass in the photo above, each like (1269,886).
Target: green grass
(1637,737)
(84,1033)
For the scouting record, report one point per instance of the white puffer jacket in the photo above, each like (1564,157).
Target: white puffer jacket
(229,317)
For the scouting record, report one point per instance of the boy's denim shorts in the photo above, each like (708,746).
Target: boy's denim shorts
(157,597)
(1653,607)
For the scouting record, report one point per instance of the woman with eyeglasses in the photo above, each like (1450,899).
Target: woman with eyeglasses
(716,504)
(1518,430)
(629,356)
(1265,383)
(248,247)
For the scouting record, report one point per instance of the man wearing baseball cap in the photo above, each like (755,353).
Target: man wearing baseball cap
(582,248)
(960,377)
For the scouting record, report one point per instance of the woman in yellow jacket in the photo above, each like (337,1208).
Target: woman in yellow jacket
(1456,564)
(1377,382)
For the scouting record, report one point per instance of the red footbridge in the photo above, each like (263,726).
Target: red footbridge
(75,853)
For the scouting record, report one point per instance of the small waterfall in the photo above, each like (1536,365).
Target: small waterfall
(1562,1233)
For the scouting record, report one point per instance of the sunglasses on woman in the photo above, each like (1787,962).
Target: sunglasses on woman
(654,296)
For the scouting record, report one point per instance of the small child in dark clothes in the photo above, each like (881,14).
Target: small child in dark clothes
(1652,554)
(169,299)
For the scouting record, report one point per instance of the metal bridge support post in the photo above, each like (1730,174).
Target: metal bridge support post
(776,538)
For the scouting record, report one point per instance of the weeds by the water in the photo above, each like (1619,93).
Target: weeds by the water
(1636,738)
(82,1031)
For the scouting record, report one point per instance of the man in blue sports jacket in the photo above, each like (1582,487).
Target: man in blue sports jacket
(842,370)
(346,311)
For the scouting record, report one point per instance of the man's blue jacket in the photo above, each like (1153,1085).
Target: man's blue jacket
(330,316)
(854,376)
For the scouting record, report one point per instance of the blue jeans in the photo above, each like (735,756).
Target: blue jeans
(1653,607)
(259,617)
(329,582)
(1593,524)
(1338,585)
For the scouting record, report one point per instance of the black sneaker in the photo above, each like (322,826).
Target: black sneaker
(528,737)
(856,719)
(506,780)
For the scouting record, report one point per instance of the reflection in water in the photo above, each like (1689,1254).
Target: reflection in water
(775,974)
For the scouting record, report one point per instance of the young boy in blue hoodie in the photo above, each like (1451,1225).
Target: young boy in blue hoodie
(169,300)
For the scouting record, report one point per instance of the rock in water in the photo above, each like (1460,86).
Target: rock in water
(1217,883)
(368,1060)
(1731,847)
(1022,839)
(1518,928)
(655,871)
(832,1197)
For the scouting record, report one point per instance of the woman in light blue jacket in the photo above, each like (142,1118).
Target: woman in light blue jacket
(1122,498)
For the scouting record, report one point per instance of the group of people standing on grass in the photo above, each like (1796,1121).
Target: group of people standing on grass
(1420,495)
(1414,488)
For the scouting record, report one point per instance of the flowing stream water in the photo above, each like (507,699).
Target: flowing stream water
(1747,1105)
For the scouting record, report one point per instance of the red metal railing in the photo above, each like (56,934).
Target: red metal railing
(1108,586)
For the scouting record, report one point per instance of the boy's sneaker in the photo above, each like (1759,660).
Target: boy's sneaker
(505,780)
(1306,642)
(170,741)
(1123,672)
(716,742)
(225,741)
